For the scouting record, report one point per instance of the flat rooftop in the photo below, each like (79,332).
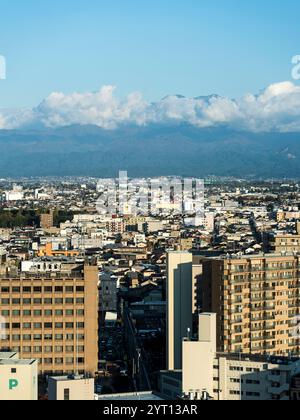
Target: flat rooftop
(140,396)
(271,360)
(17,362)
(8,355)
(69,378)
(259,256)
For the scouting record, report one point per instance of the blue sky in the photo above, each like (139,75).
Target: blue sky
(157,47)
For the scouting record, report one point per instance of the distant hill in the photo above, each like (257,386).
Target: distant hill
(148,151)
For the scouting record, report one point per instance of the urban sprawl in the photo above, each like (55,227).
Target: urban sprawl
(157,289)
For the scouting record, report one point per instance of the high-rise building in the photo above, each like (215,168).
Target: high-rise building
(179,305)
(257,302)
(53,317)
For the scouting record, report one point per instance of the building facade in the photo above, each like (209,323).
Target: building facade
(179,304)
(71,389)
(53,317)
(18,378)
(47,220)
(257,302)
(232,376)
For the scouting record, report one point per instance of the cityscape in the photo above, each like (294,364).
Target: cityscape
(155,306)
(149,203)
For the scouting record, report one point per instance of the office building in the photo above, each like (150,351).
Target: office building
(53,317)
(286,244)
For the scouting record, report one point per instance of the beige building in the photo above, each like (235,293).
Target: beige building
(231,376)
(47,220)
(53,317)
(185,244)
(286,244)
(18,378)
(179,305)
(257,303)
(198,357)
(71,389)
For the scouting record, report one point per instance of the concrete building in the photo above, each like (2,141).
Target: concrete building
(16,194)
(179,305)
(185,244)
(136,396)
(198,357)
(170,384)
(71,388)
(232,376)
(286,244)
(47,220)
(108,292)
(257,303)
(295,388)
(53,317)
(18,378)
(48,251)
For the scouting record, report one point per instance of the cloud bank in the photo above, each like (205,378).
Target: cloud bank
(277,108)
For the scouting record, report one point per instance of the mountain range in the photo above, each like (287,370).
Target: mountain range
(157,149)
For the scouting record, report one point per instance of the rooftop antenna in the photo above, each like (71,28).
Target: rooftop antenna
(189,333)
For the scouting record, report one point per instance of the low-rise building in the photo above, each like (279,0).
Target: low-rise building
(232,376)
(71,388)
(18,378)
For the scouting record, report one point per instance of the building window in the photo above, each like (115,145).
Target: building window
(66,394)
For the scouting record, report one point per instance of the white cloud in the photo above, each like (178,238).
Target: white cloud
(275,108)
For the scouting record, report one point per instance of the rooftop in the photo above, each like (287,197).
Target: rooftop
(69,378)
(272,360)
(139,396)
(17,362)
(8,355)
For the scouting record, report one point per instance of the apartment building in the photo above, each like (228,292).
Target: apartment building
(47,220)
(285,244)
(52,317)
(257,302)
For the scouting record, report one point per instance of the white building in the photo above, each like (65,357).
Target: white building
(68,388)
(231,376)
(18,378)
(16,194)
